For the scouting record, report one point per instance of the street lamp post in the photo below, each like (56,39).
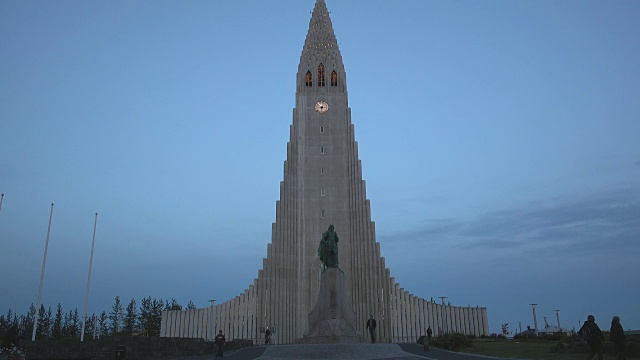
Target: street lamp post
(535,320)
(444,315)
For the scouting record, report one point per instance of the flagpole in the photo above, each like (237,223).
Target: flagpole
(86,297)
(44,262)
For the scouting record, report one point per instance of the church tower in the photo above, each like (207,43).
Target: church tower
(322,186)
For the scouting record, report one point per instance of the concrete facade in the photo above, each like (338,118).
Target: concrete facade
(322,185)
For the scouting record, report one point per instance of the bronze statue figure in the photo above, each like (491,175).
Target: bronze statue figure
(328,249)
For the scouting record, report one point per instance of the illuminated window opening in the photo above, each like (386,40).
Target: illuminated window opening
(308,79)
(334,78)
(321,75)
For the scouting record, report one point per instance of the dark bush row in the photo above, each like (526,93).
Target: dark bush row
(450,341)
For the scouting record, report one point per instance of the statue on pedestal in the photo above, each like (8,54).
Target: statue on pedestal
(328,249)
(332,319)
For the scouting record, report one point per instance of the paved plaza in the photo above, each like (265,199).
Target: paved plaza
(342,352)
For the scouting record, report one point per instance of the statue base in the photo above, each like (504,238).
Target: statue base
(332,319)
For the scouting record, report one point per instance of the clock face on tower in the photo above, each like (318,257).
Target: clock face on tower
(322,107)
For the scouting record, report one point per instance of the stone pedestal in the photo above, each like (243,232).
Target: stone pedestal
(332,319)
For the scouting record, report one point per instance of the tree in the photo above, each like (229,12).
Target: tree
(10,331)
(145,315)
(115,316)
(151,316)
(191,305)
(56,327)
(44,324)
(70,326)
(130,318)
(156,311)
(9,317)
(505,329)
(3,324)
(102,324)
(74,325)
(173,305)
(26,323)
(90,325)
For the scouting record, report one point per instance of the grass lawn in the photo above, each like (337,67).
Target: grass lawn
(522,350)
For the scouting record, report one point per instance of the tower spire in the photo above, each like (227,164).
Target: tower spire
(320,47)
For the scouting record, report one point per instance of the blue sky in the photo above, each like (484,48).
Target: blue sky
(499,142)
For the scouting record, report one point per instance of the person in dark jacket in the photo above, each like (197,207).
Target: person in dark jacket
(267,337)
(371,325)
(616,335)
(220,340)
(593,335)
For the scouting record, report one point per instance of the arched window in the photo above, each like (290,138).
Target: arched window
(334,78)
(308,79)
(321,75)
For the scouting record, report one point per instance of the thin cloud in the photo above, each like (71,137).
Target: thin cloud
(604,214)
(606,220)
(435,229)
(493,244)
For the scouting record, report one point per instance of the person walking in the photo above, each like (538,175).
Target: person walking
(371,325)
(593,335)
(220,340)
(427,339)
(616,335)
(267,337)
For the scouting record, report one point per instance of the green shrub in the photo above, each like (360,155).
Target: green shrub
(452,342)
(563,338)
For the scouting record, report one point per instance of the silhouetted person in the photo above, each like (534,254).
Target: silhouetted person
(267,337)
(429,332)
(592,334)
(371,325)
(220,340)
(616,335)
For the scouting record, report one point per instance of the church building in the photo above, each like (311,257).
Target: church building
(322,186)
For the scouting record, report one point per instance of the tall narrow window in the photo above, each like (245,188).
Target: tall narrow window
(321,192)
(322,213)
(321,129)
(334,78)
(321,75)
(321,171)
(308,79)
(322,150)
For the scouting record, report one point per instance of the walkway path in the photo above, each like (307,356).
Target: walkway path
(342,352)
